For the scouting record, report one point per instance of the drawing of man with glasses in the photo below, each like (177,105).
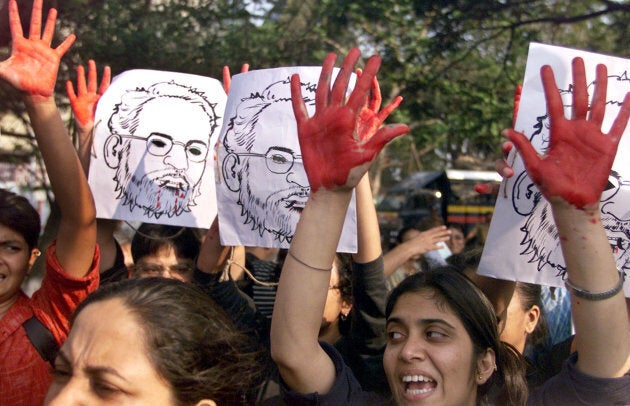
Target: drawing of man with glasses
(540,240)
(159,142)
(267,171)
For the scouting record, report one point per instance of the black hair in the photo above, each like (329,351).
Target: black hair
(189,339)
(466,260)
(402,232)
(459,294)
(530,294)
(150,238)
(19,215)
(344,268)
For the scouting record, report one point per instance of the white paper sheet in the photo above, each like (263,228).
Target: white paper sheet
(153,153)
(261,182)
(522,242)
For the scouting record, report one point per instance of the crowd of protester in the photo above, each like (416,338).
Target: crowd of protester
(192,322)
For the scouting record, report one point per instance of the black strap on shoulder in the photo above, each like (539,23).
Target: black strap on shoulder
(42,339)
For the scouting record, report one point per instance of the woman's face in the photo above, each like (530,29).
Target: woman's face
(429,356)
(518,323)
(15,261)
(457,241)
(104,361)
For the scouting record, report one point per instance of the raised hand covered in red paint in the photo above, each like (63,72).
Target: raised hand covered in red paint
(33,64)
(370,119)
(500,165)
(517,102)
(84,101)
(227,77)
(333,152)
(579,157)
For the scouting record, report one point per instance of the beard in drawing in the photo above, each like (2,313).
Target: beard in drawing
(541,241)
(166,191)
(616,218)
(277,213)
(619,236)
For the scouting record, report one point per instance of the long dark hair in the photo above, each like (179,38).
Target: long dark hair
(344,268)
(459,294)
(189,340)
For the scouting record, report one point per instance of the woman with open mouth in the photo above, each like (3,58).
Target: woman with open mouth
(443,342)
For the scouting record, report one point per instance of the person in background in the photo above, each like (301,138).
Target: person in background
(437,319)
(153,341)
(517,305)
(407,256)
(476,238)
(83,101)
(352,318)
(164,251)
(264,265)
(457,241)
(72,259)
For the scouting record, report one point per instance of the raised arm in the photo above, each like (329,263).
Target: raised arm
(335,160)
(32,69)
(212,260)
(83,103)
(429,240)
(371,118)
(572,175)
(213,256)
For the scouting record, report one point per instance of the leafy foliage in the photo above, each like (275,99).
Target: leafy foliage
(455,62)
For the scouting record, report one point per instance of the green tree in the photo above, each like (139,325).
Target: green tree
(455,62)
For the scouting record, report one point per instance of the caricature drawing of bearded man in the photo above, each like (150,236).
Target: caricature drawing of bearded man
(158,144)
(540,242)
(254,160)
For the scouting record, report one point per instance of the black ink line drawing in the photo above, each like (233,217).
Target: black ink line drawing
(253,160)
(158,145)
(540,242)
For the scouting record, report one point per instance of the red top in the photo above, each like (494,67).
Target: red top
(24,375)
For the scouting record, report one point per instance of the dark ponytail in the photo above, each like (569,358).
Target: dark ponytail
(508,384)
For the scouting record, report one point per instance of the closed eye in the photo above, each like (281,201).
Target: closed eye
(103,389)
(60,372)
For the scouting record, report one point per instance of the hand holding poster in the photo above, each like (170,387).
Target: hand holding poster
(523,242)
(261,183)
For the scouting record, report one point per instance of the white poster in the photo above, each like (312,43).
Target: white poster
(523,242)
(153,152)
(261,183)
